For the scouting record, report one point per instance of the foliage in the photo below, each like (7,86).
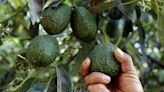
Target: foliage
(140,35)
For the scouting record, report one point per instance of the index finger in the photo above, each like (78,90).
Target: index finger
(84,69)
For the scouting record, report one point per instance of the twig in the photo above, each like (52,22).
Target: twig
(106,5)
(156,61)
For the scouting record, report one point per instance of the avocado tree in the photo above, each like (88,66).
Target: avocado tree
(44,42)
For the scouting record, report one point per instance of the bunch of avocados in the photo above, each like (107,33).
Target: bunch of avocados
(43,49)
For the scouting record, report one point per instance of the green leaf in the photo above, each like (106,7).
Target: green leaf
(25,85)
(17,3)
(155,5)
(38,87)
(108,5)
(82,54)
(63,80)
(53,85)
(5,11)
(35,7)
(160,23)
(104,5)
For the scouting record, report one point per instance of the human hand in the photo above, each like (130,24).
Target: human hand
(126,81)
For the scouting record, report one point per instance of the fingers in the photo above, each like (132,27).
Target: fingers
(84,69)
(97,88)
(125,60)
(97,77)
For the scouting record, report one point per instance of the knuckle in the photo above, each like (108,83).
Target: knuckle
(129,58)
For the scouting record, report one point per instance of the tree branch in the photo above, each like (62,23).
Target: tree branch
(156,61)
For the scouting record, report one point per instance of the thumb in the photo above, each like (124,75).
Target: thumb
(125,60)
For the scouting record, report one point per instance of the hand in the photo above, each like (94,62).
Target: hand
(127,81)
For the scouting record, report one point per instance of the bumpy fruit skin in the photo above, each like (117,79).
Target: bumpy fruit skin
(42,50)
(103,60)
(83,24)
(56,19)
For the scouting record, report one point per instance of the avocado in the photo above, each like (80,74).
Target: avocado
(83,24)
(42,50)
(103,60)
(115,13)
(56,19)
(114,29)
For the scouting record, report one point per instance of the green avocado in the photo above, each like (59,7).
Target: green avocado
(83,24)
(103,60)
(42,50)
(56,19)
(114,28)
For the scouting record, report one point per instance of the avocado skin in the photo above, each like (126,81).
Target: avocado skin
(42,50)
(83,24)
(103,60)
(113,28)
(56,19)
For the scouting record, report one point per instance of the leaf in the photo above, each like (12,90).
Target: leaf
(9,76)
(25,85)
(138,11)
(124,10)
(82,54)
(160,24)
(84,3)
(38,87)
(5,12)
(142,39)
(35,7)
(155,6)
(128,27)
(110,4)
(53,85)
(2,2)
(102,6)
(63,80)
(54,3)
(141,31)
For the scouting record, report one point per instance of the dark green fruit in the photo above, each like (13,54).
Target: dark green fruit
(115,13)
(83,24)
(114,27)
(56,19)
(42,50)
(103,60)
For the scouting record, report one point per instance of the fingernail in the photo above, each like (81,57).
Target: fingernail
(85,61)
(106,79)
(121,53)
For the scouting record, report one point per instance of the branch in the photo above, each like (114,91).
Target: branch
(156,61)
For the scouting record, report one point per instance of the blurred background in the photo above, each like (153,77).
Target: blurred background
(135,26)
